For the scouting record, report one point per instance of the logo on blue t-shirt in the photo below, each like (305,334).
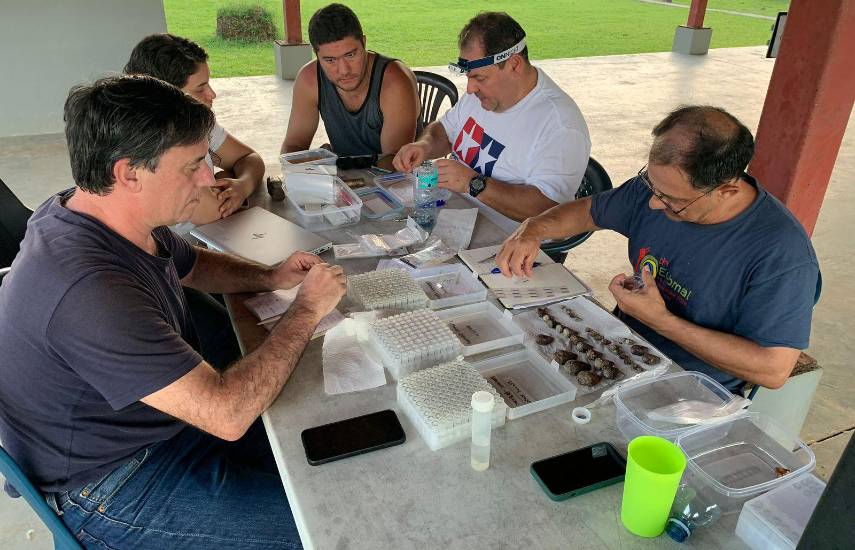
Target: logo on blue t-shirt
(477,148)
(670,288)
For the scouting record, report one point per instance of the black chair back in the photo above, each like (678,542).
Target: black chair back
(595,180)
(433,89)
(13,224)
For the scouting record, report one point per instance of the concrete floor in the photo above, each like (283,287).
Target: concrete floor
(622,98)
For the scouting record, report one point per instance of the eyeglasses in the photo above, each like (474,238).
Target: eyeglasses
(643,176)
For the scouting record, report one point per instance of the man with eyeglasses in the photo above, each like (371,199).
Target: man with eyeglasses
(519,143)
(729,274)
(368,102)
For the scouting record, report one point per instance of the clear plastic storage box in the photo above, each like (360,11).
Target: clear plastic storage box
(776,520)
(482,327)
(637,404)
(450,285)
(438,401)
(345,210)
(313,157)
(526,382)
(732,461)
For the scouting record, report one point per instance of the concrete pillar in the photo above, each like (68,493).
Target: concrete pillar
(693,38)
(807,106)
(292,53)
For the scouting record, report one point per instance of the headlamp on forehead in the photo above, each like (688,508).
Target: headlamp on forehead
(463,66)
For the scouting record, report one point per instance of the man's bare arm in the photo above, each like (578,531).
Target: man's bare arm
(304,118)
(226,403)
(399,101)
(522,247)
(431,144)
(229,274)
(736,355)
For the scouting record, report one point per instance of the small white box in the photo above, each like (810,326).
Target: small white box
(450,285)
(777,519)
(482,327)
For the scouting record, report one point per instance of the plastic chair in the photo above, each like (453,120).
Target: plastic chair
(817,293)
(13,224)
(595,180)
(433,89)
(62,537)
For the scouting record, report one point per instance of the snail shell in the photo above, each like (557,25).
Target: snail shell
(574,367)
(638,349)
(544,339)
(588,378)
(562,356)
(650,358)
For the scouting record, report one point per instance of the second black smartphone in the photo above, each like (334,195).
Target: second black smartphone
(580,471)
(352,437)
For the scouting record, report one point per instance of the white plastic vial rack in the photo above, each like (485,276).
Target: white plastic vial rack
(413,340)
(438,401)
(386,289)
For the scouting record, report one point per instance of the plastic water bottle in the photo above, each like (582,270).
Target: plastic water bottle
(689,512)
(482,424)
(424,194)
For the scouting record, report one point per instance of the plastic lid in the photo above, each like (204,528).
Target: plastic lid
(677,530)
(482,401)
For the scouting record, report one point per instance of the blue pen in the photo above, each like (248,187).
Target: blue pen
(496,270)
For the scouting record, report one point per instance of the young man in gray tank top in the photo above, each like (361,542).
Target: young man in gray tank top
(368,102)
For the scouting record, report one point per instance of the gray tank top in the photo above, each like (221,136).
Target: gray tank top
(353,133)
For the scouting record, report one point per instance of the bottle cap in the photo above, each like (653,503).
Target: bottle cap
(677,530)
(482,401)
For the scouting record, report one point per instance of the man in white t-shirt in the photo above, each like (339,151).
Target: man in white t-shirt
(518,142)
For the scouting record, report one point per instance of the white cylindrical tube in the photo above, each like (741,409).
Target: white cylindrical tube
(482,424)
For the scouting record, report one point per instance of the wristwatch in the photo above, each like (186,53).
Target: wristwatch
(477,184)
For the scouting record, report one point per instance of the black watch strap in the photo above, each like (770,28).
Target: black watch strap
(477,185)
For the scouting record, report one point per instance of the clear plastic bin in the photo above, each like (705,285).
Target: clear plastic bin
(776,520)
(438,402)
(482,327)
(296,161)
(634,402)
(735,460)
(450,285)
(526,382)
(345,211)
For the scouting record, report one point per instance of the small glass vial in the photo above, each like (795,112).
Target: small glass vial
(482,423)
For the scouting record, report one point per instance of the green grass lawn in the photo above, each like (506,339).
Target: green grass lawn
(424,32)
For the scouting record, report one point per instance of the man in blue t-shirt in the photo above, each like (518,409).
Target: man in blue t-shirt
(108,407)
(729,274)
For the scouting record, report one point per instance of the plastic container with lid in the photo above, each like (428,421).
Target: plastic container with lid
(298,161)
(776,520)
(738,459)
(642,408)
(344,210)
(450,285)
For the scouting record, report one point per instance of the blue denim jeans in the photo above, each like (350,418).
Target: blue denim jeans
(193,491)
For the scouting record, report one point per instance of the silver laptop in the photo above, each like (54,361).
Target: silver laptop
(259,235)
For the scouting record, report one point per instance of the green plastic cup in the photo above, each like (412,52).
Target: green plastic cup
(654,467)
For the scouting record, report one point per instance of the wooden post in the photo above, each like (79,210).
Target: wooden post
(696,14)
(293,25)
(807,107)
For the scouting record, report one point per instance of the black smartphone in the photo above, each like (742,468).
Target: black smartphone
(351,437)
(356,161)
(580,471)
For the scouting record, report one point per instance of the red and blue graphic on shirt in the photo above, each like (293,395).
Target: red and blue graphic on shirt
(476,148)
